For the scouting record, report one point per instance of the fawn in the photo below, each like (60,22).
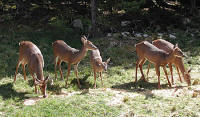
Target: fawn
(97,64)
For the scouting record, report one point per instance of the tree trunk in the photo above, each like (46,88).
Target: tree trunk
(193,7)
(94,17)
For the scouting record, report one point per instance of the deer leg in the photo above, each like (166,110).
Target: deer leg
(55,66)
(179,74)
(18,63)
(164,68)
(60,69)
(76,72)
(141,70)
(157,67)
(101,78)
(34,80)
(171,70)
(95,78)
(68,73)
(23,66)
(137,64)
(149,65)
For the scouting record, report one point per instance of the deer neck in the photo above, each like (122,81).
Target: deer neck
(181,66)
(81,54)
(169,57)
(39,72)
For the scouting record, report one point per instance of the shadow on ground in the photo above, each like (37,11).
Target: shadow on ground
(137,86)
(84,83)
(7,92)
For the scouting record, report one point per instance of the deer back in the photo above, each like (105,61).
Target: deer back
(164,45)
(61,49)
(30,54)
(149,51)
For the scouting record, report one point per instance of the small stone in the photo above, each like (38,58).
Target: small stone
(138,35)
(194,95)
(172,36)
(145,35)
(109,35)
(125,23)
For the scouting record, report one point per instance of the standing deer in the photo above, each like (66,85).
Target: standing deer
(30,54)
(72,56)
(178,61)
(147,51)
(97,64)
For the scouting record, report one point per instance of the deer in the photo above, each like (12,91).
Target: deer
(30,54)
(97,64)
(147,51)
(178,61)
(72,56)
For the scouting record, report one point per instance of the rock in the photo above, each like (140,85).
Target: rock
(194,95)
(125,34)
(138,35)
(145,35)
(196,82)
(172,36)
(77,23)
(109,35)
(160,34)
(125,23)
(116,35)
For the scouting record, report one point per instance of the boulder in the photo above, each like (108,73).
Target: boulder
(77,23)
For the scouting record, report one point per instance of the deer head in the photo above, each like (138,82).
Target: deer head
(88,44)
(177,51)
(104,65)
(187,77)
(43,85)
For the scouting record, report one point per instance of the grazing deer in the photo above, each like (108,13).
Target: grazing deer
(72,56)
(178,61)
(30,54)
(147,51)
(97,64)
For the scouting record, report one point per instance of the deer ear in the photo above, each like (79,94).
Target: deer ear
(46,80)
(83,40)
(108,60)
(189,70)
(38,82)
(176,45)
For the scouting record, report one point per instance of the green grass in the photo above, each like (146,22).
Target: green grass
(119,96)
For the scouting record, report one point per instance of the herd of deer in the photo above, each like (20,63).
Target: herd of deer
(160,53)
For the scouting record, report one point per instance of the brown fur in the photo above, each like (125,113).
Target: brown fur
(30,54)
(147,51)
(178,61)
(72,56)
(97,64)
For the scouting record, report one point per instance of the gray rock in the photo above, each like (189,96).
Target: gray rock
(109,35)
(138,35)
(145,35)
(125,23)
(77,23)
(172,36)
(116,35)
(125,34)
